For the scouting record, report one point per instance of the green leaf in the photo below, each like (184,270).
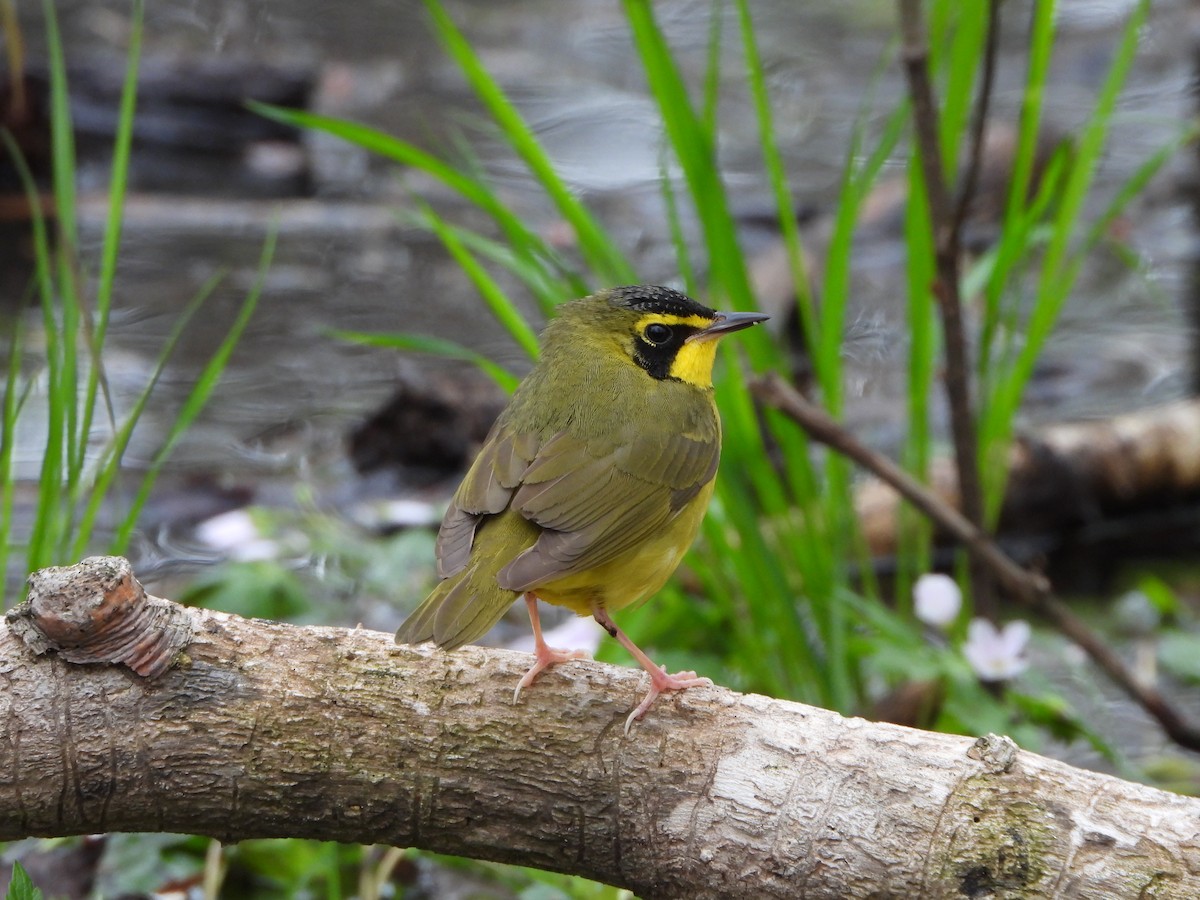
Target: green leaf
(260,589)
(20,886)
(693,141)
(1161,595)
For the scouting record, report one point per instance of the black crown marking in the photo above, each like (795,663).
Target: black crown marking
(653,298)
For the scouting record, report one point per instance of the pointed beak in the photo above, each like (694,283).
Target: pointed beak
(727,323)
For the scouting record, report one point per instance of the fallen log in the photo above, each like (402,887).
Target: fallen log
(127,712)
(1069,476)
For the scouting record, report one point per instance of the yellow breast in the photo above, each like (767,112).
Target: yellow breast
(635,575)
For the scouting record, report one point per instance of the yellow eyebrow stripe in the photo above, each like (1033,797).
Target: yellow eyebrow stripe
(669,319)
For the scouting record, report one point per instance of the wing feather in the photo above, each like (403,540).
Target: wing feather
(593,497)
(486,490)
(593,512)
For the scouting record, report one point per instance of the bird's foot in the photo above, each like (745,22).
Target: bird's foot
(660,682)
(545,657)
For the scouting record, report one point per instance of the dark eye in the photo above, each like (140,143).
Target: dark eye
(657,333)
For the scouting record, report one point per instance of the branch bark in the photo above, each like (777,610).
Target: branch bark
(259,729)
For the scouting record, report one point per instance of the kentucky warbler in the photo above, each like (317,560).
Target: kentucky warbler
(593,481)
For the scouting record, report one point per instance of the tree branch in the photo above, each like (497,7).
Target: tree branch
(259,729)
(1031,588)
(979,117)
(946,222)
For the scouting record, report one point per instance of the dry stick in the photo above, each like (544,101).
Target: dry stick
(983,104)
(947,223)
(1030,588)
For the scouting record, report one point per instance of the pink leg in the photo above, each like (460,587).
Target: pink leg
(545,656)
(660,681)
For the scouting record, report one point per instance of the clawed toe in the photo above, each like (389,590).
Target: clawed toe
(661,682)
(545,658)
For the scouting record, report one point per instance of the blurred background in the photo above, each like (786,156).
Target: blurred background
(309,484)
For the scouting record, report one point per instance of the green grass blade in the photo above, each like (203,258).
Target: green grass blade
(476,191)
(1024,233)
(924,352)
(1087,158)
(835,294)
(8,418)
(962,65)
(683,255)
(773,163)
(695,149)
(1057,274)
(1016,223)
(771,648)
(712,69)
(420,343)
(497,302)
(118,181)
(1132,188)
(383,144)
(533,251)
(543,281)
(109,466)
(1041,45)
(46,525)
(206,383)
(62,149)
(594,242)
(914,538)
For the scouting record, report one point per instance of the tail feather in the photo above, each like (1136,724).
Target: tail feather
(459,611)
(419,626)
(464,607)
(469,611)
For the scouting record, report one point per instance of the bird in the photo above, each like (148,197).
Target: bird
(593,481)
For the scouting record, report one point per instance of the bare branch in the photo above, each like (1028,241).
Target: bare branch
(1030,588)
(947,226)
(979,117)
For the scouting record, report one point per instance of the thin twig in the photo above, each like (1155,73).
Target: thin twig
(1031,588)
(947,226)
(979,117)
(925,116)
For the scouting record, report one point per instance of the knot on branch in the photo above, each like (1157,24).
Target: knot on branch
(97,612)
(997,752)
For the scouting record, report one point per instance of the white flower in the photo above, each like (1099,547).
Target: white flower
(936,599)
(228,530)
(235,534)
(996,655)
